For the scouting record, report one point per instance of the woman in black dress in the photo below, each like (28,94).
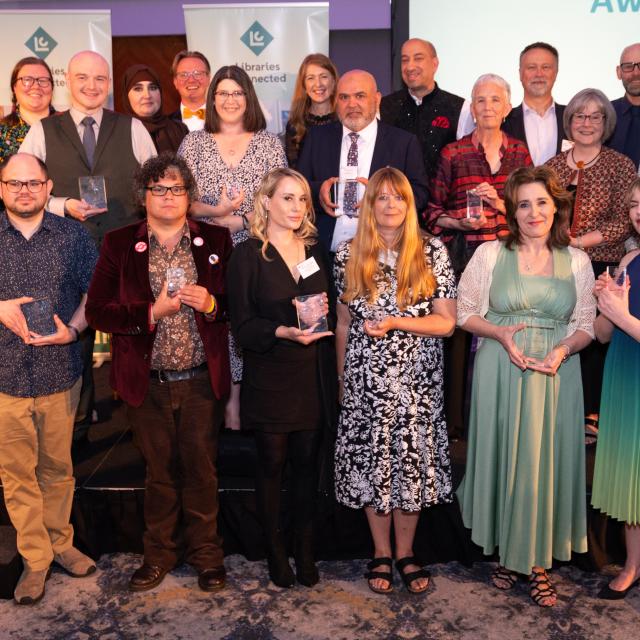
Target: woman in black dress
(286,385)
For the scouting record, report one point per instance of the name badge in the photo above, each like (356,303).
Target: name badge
(307,267)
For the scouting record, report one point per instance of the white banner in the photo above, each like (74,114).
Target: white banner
(269,41)
(52,36)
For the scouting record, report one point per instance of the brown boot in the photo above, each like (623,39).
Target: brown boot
(75,563)
(30,587)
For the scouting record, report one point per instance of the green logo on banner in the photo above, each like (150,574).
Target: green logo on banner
(257,38)
(41,43)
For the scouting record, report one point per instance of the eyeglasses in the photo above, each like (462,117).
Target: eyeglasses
(161,190)
(43,83)
(15,186)
(196,75)
(225,95)
(594,118)
(628,67)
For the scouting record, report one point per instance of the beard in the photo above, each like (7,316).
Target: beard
(632,87)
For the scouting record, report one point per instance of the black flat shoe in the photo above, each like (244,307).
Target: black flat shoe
(280,571)
(147,576)
(212,579)
(380,575)
(412,576)
(607,593)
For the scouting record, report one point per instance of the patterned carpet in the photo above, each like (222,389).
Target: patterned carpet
(458,605)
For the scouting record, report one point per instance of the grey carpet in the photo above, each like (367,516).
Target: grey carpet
(459,604)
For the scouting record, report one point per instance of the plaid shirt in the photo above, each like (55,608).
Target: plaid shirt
(463,166)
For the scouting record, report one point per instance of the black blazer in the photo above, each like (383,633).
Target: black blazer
(514,125)
(320,159)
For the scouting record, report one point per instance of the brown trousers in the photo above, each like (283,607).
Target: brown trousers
(176,429)
(37,473)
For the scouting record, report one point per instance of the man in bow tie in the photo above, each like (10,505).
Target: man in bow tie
(191,76)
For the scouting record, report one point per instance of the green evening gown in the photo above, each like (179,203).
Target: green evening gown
(616,476)
(524,487)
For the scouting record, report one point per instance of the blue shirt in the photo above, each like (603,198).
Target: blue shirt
(57,262)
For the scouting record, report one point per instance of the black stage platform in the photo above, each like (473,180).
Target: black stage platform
(107,512)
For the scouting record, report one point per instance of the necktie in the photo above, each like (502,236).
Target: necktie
(89,138)
(351,188)
(198,113)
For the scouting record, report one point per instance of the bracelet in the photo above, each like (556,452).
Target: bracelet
(76,333)
(566,347)
(212,307)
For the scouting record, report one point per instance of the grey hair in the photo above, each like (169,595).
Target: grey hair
(577,104)
(496,79)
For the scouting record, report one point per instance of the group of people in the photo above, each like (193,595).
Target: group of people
(202,274)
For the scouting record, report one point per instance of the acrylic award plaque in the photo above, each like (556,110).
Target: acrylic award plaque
(93,191)
(176,279)
(311,315)
(39,316)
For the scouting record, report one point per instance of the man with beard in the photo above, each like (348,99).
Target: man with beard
(626,136)
(47,262)
(538,120)
(353,148)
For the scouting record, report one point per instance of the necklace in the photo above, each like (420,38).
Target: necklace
(580,164)
(533,264)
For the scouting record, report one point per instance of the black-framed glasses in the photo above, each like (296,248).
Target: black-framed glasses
(43,83)
(594,118)
(197,75)
(15,186)
(161,190)
(225,95)
(628,67)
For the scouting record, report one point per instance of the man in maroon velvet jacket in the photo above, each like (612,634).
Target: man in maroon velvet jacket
(158,288)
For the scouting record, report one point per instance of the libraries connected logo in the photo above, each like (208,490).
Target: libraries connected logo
(257,38)
(41,43)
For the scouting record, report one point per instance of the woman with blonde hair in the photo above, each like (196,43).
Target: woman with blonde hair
(396,293)
(289,380)
(313,102)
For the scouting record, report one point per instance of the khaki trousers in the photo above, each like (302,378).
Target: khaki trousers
(37,472)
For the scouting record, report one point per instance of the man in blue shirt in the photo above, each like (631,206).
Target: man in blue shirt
(43,257)
(626,136)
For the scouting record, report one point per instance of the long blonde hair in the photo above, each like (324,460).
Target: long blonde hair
(307,231)
(414,276)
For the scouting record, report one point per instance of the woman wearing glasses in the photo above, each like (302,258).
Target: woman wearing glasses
(598,178)
(31,91)
(228,159)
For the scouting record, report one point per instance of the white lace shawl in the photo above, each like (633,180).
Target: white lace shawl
(473,290)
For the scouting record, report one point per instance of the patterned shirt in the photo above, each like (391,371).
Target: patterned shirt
(463,166)
(178,344)
(11,137)
(600,200)
(57,263)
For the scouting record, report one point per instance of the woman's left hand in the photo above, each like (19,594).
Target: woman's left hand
(551,362)
(379,329)
(614,303)
(488,193)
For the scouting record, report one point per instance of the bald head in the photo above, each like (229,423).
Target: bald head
(418,65)
(629,73)
(88,81)
(358,99)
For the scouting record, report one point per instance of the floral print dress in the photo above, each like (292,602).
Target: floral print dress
(392,450)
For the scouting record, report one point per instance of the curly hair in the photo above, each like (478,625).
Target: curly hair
(562,199)
(258,229)
(159,167)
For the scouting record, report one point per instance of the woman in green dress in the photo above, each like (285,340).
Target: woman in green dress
(616,476)
(530,299)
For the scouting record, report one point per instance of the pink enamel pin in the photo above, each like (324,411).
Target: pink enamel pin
(140,247)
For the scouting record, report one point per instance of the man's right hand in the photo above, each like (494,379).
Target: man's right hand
(165,305)
(324,196)
(81,209)
(11,316)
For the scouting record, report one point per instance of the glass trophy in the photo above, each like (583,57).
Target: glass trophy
(93,191)
(375,315)
(176,279)
(474,204)
(39,316)
(311,315)
(534,340)
(616,278)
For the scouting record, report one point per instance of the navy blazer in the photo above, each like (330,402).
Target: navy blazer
(514,125)
(320,159)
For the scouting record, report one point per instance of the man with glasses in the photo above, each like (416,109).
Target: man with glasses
(626,136)
(159,288)
(46,266)
(191,76)
(90,141)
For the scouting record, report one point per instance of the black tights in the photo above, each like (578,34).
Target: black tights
(273,448)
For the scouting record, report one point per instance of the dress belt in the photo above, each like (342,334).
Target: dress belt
(168,375)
